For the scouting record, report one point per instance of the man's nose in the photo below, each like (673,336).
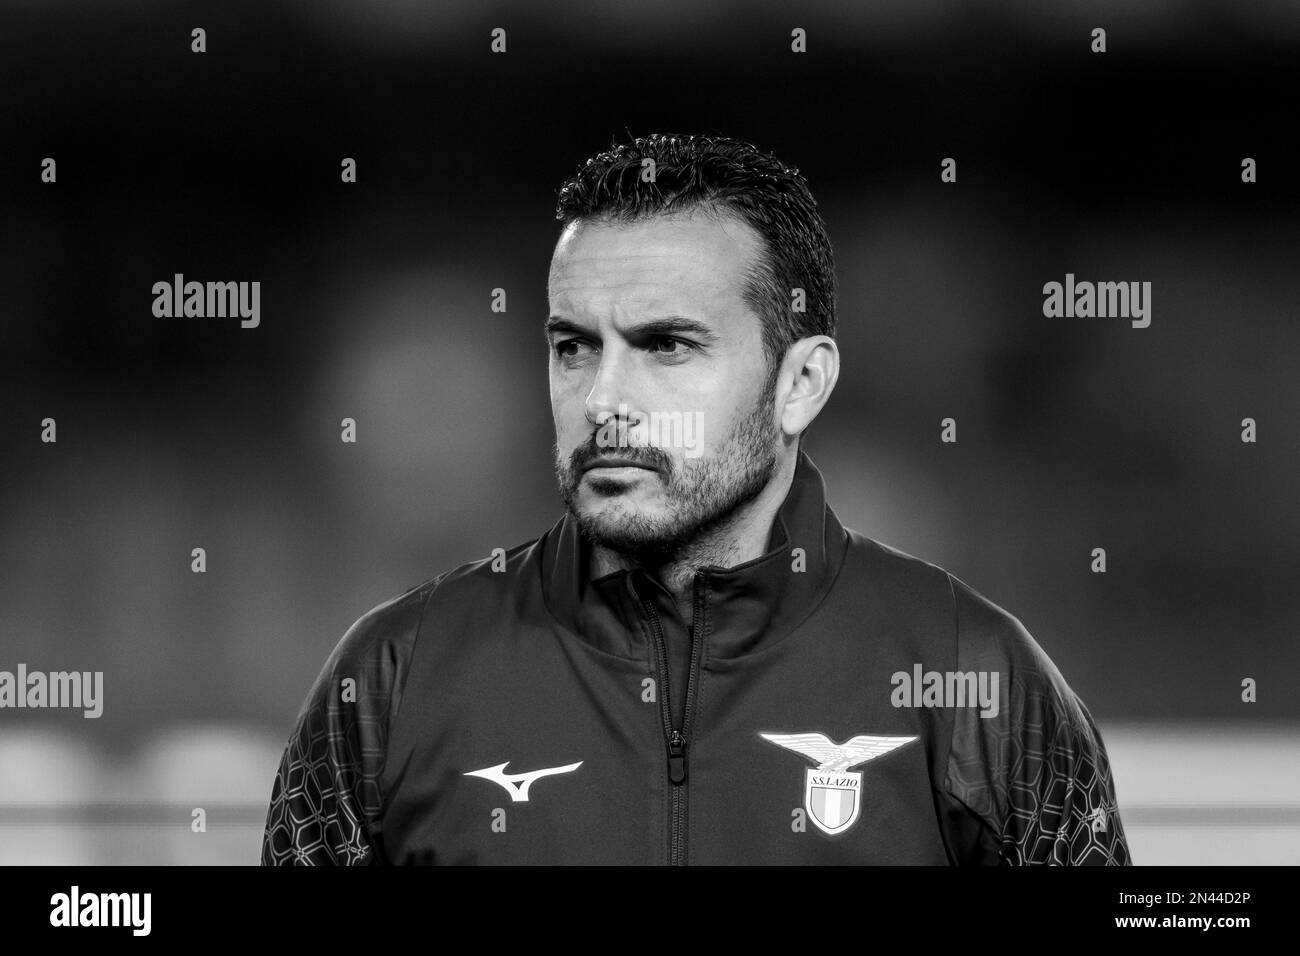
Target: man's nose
(610,391)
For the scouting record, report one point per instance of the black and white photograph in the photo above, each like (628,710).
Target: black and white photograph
(598,433)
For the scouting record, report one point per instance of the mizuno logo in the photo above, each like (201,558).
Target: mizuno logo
(517,784)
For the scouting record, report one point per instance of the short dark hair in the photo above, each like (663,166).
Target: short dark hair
(722,175)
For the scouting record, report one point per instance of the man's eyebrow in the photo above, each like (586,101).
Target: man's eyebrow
(674,325)
(557,324)
(662,325)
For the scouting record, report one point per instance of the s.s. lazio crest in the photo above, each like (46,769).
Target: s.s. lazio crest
(832,793)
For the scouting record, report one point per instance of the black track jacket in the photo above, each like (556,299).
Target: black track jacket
(513,711)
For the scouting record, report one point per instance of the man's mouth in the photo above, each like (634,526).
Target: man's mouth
(616,462)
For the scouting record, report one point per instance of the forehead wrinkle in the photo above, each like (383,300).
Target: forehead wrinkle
(636,272)
(636,300)
(624,294)
(632,271)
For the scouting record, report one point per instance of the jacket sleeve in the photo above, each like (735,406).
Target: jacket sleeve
(1030,784)
(327,798)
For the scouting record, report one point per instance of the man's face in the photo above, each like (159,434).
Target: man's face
(660,390)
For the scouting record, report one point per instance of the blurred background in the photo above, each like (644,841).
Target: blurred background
(375,304)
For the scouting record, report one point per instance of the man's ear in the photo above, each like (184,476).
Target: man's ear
(808,375)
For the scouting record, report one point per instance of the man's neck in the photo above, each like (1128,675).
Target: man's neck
(742,537)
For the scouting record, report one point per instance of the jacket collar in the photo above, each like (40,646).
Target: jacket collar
(742,609)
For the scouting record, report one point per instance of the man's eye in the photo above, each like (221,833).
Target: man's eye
(569,348)
(668,345)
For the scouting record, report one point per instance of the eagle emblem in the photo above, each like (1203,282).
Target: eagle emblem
(832,789)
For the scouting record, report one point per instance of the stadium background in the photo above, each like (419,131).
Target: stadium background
(1073,433)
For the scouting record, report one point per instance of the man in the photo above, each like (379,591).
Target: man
(698,663)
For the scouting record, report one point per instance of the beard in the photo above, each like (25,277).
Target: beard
(700,494)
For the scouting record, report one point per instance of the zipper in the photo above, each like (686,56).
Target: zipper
(675,737)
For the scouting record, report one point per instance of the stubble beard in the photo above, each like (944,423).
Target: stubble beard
(702,494)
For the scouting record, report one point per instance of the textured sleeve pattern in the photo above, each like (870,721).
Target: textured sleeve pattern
(1046,789)
(327,799)
(1036,775)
